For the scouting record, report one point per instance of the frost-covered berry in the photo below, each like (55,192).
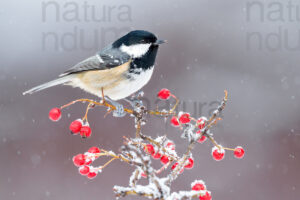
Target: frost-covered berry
(143,175)
(164,159)
(190,164)
(198,185)
(184,118)
(218,154)
(201,122)
(206,196)
(91,175)
(84,170)
(75,126)
(55,114)
(85,131)
(149,149)
(164,94)
(239,152)
(175,165)
(79,160)
(156,155)
(203,137)
(174,121)
(170,145)
(94,150)
(88,161)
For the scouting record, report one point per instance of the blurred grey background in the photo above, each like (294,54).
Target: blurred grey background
(250,48)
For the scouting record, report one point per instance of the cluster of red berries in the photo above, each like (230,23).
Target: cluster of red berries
(83,161)
(76,127)
(199,185)
(188,165)
(182,118)
(219,153)
(164,159)
(185,118)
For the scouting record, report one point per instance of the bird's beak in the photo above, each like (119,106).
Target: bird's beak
(158,42)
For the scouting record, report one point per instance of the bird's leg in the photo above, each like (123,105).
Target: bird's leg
(119,111)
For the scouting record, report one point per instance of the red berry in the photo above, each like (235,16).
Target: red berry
(201,122)
(156,155)
(149,149)
(164,159)
(88,161)
(206,196)
(174,121)
(85,131)
(91,175)
(55,114)
(218,154)
(203,137)
(164,94)
(185,118)
(175,165)
(143,175)
(190,165)
(198,185)
(94,150)
(170,145)
(84,170)
(239,152)
(79,160)
(75,126)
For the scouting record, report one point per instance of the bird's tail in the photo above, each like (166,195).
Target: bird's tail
(55,82)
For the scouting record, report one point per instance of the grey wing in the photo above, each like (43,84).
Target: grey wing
(100,61)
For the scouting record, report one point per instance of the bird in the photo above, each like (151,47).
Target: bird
(119,70)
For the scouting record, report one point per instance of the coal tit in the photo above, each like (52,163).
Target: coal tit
(120,69)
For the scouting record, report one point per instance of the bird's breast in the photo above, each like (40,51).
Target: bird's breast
(131,83)
(117,83)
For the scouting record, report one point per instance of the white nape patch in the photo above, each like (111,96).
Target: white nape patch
(99,58)
(137,50)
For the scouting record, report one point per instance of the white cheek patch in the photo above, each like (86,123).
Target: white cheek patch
(135,51)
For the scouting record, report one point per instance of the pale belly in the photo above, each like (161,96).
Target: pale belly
(114,86)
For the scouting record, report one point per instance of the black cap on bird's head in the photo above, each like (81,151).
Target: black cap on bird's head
(138,37)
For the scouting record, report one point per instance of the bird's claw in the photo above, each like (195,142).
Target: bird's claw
(135,102)
(119,111)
